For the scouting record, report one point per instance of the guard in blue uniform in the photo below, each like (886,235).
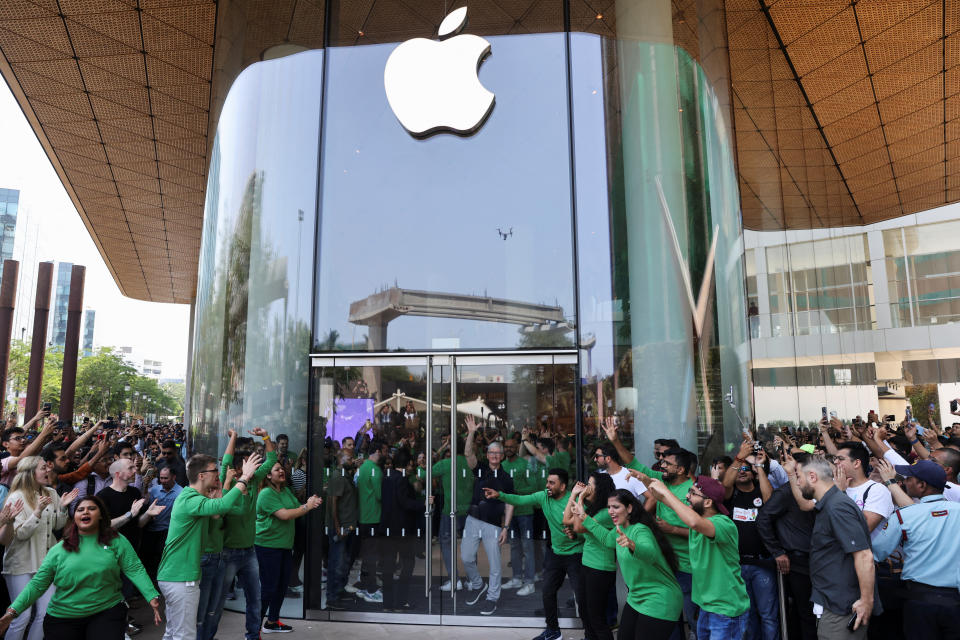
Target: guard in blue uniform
(928,532)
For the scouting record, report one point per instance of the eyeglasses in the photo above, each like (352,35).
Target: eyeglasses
(214,470)
(598,455)
(667,463)
(696,493)
(658,454)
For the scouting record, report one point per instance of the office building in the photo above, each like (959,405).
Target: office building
(89,319)
(9,206)
(59,305)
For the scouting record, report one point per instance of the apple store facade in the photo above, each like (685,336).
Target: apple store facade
(558,242)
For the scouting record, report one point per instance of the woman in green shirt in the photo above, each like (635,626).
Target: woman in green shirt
(86,569)
(598,575)
(277,508)
(647,562)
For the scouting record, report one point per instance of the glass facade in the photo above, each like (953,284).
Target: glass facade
(577,259)
(61,301)
(9,207)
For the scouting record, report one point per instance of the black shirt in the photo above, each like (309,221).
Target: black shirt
(118,504)
(838,531)
(786,529)
(744,506)
(490,511)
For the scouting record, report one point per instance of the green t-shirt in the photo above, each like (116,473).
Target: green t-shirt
(241,522)
(718,586)
(596,554)
(181,553)
(524,482)
(341,486)
(553,511)
(213,535)
(88,580)
(680,544)
(369,484)
(653,589)
(441,470)
(273,532)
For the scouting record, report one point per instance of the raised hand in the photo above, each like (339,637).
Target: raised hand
(136,506)
(578,489)
(886,470)
(231,433)
(155,509)
(68,497)
(250,466)
(610,428)
(10,512)
(472,424)
(657,487)
(623,540)
(639,475)
(42,504)
(259,432)
(746,447)
(840,479)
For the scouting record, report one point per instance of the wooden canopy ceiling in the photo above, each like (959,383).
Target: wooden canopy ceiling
(846,112)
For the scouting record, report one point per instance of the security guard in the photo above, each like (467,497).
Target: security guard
(929,531)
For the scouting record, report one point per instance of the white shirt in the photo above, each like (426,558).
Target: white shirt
(623,480)
(952,492)
(878,501)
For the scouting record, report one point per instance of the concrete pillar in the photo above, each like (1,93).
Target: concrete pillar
(41,313)
(8,297)
(71,346)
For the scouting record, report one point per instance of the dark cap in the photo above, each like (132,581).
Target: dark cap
(927,470)
(712,489)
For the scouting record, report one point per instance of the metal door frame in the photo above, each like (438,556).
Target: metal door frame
(451,359)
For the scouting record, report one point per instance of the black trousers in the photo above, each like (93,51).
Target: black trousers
(924,620)
(151,550)
(799,587)
(636,626)
(555,568)
(398,553)
(110,624)
(592,598)
(371,560)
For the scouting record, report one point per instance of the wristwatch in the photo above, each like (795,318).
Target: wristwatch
(889,482)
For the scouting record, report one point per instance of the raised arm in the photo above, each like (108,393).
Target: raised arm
(690,517)
(292,514)
(610,428)
(469,448)
(766,489)
(36,445)
(730,475)
(888,473)
(82,439)
(825,435)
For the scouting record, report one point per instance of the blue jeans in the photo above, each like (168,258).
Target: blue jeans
(338,566)
(689,608)
(720,627)
(444,537)
(211,592)
(242,564)
(474,532)
(763,621)
(521,548)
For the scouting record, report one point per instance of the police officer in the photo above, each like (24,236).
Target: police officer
(929,531)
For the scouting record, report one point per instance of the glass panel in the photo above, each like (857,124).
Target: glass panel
(375,445)
(527,413)
(493,210)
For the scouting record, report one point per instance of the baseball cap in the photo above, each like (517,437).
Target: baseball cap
(809,448)
(927,470)
(712,489)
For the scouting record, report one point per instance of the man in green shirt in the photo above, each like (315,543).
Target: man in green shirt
(567,546)
(179,572)
(718,587)
(240,524)
(464,489)
(369,497)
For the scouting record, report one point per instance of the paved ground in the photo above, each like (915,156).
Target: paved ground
(231,626)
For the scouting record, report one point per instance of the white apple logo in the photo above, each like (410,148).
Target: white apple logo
(433,86)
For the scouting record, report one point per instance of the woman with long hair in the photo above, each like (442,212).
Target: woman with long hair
(277,509)
(598,575)
(86,568)
(43,513)
(647,562)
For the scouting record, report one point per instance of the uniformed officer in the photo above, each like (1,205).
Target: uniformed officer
(929,531)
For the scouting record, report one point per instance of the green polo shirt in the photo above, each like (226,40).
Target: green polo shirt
(553,511)
(185,538)
(718,586)
(441,470)
(241,523)
(680,544)
(596,554)
(369,484)
(524,482)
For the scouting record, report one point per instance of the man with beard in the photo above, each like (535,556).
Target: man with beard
(608,461)
(567,546)
(841,562)
(678,466)
(718,588)
(342,515)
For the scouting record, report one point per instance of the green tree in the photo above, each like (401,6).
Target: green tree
(101,383)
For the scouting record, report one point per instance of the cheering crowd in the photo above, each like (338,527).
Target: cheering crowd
(851,529)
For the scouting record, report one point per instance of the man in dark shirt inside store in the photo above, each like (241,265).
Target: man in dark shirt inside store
(487,521)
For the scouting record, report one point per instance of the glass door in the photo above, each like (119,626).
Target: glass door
(403,445)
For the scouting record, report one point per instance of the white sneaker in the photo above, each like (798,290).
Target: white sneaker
(351,588)
(375,597)
(446,586)
(512,583)
(526,589)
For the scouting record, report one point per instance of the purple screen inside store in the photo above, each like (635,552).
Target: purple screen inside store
(349,416)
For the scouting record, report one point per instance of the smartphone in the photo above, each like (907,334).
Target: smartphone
(852,622)
(932,407)
(47,406)
(890,418)
(833,414)
(823,410)
(954,405)
(909,413)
